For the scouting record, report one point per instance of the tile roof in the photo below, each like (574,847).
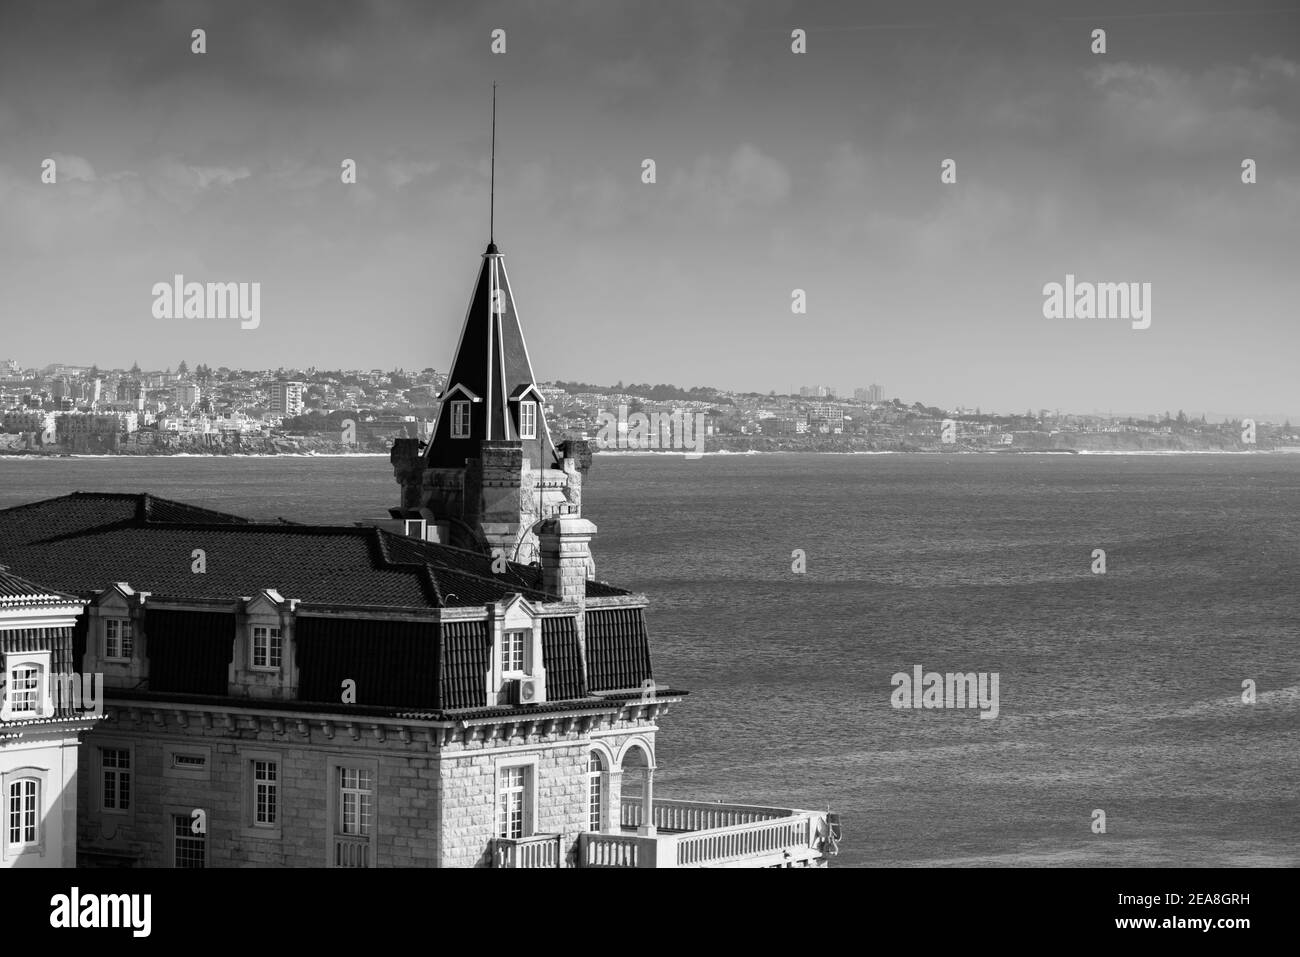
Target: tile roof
(16,591)
(86,541)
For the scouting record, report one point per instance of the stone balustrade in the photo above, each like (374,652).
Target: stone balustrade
(539,850)
(699,834)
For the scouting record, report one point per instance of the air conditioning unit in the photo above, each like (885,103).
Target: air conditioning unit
(526,691)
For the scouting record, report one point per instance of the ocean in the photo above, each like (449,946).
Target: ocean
(1118,692)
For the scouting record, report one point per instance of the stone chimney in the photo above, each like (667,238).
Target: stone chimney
(566,555)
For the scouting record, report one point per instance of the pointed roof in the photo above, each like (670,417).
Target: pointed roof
(493,373)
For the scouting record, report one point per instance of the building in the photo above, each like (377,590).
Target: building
(187,395)
(94,432)
(398,694)
(27,420)
(40,724)
(286,398)
(826,419)
(870,395)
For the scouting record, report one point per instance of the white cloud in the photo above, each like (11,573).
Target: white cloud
(747,178)
(73,167)
(401,173)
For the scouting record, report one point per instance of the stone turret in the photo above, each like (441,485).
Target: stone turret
(490,473)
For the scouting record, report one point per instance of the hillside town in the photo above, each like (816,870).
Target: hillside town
(73,409)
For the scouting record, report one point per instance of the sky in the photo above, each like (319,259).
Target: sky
(774,171)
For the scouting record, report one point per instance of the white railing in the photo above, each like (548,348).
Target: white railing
(609,850)
(698,834)
(698,815)
(725,845)
(351,851)
(540,850)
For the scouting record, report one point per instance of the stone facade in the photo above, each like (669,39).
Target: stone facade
(434,803)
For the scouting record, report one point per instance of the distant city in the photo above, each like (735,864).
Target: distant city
(87,410)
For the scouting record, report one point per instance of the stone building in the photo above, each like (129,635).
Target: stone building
(401,694)
(40,723)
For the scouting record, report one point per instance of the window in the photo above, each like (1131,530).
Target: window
(116,765)
(268,646)
(594,771)
(512,651)
(356,799)
(265,793)
(510,802)
(24,822)
(528,420)
(460,420)
(190,848)
(189,761)
(117,638)
(25,693)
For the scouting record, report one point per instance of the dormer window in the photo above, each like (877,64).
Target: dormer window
(514,645)
(460,420)
(268,648)
(24,691)
(528,420)
(117,639)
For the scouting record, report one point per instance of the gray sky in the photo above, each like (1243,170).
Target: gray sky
(775,171)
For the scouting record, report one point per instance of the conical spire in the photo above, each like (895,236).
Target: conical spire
(491,391)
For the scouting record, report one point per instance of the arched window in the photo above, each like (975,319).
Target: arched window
(23,817)
(595,772)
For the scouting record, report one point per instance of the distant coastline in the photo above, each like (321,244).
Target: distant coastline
(642,453)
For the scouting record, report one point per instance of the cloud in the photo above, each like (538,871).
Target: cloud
(399,172)
(219,175)
(73,167)
(1177,111)
(746,179)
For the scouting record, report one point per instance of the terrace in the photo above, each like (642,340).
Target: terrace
(687,834)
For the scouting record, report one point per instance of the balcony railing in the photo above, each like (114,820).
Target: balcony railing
(698,834)
(698,815)
(351,851)
(540,850)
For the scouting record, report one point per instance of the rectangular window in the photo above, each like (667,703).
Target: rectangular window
(356,800)
(116,764)
(23,820)
(510,802)
(24,698)
(189,762)
(117,638)
(190,848)
(460,420)
(265,793)
(528,420)
(268,647)
(512,652)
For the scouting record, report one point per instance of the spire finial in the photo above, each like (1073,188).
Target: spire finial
(492,188)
